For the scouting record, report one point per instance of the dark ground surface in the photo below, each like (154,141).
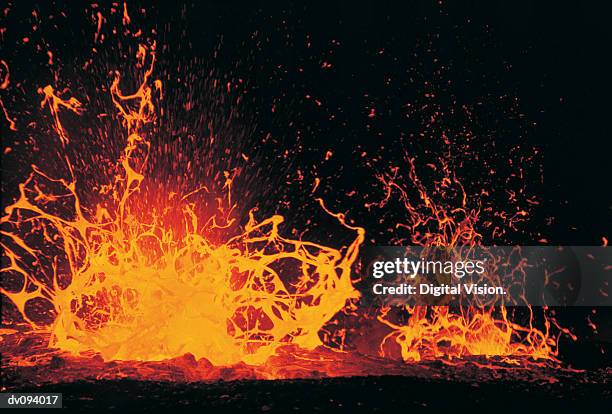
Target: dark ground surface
(91,385)
(377,394)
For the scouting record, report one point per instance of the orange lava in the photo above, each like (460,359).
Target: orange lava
(138,291)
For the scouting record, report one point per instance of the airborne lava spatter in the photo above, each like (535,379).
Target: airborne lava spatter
(442,217)
(127,285)
(137,292)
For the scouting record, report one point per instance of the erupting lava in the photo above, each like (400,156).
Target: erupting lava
(134,290)
(436,218)
(137,289)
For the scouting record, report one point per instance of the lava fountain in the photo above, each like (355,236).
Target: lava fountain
(132,289)
(123,281)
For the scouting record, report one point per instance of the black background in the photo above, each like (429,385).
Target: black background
(550,57)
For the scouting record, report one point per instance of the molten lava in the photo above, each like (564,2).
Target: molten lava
(442,218)
(123,283)
(134,290)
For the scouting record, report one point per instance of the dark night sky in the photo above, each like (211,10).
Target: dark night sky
(537,75)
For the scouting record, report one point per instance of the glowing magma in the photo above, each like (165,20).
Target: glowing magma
(134,289)
(137,291)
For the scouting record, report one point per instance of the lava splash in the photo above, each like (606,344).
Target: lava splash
(133,289)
